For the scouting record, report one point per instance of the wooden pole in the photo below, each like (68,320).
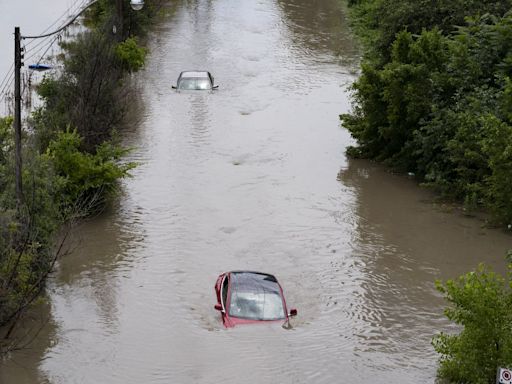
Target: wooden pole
(17,116)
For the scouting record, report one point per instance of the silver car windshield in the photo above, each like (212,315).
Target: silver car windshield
(194,83)
(256,306)
(255,297)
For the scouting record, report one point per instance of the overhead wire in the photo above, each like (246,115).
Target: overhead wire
(43,41)
(50,45)
(78,5)
(64,22)
(7,85)
(71,21)
(51,38)
(45,47)
(57,37)
(7,75)
(46,42)
(69,11)
(5,95)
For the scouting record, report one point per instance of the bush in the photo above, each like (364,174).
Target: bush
(131,55)
(480,303)
(82,177)
(386,18)
(27,236)
(497,147)
(440,105)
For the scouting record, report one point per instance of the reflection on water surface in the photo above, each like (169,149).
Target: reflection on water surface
(246,178)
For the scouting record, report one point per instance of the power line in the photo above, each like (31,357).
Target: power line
(48,38)
(7,84)
(64,26)
(73,7)
(7,75)
(48,48)
(51,40)
(46,43)
(43,41)
(78,5)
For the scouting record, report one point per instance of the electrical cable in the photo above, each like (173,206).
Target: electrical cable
(43,41)
(43,44)
(7,75)
(7,85)
(48,48)
(45,47)
(46,42)
(30,73)
(68,11)
(63,27)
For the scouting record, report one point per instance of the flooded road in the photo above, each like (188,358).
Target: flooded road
(253,176)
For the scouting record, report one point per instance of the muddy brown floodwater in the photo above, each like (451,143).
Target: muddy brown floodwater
(253,176)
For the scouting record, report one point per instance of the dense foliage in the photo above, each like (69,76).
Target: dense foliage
(381,20)
(26,232)
(435,95)
(130,54)
(71,159)
(83,177)
(88,95)
(480,303)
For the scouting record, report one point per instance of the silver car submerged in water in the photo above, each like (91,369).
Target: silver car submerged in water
(195,81)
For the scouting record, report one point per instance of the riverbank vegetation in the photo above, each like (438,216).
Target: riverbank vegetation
(480,303)
(435,96)
(72,160)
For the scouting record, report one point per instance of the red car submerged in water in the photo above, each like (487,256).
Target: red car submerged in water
(245,297)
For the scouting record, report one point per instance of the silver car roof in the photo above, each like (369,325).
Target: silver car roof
(194,74)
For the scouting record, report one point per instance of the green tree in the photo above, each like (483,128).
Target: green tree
(389,17)
(480,304)
(391,102)
(131,55)
(82,177)
(439,105)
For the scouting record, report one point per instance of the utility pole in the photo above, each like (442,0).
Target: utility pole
(18,63)
(17,115)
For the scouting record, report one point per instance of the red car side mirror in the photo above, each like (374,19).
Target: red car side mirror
(218,307)
(293,312)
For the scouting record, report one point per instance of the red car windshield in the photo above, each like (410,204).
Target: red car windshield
(255,297)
